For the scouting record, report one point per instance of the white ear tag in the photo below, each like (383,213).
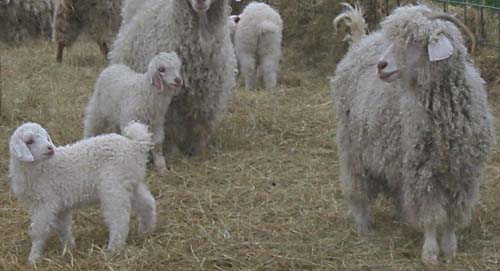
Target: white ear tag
(439,48)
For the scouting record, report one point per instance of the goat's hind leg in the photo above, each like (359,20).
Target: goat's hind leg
(144,207)
(116,207)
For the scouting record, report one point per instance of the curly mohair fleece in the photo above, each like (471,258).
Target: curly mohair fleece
(22,19)
(423,142)
(257,43)
(122,95)
(52,181)
(99,19)
(202,41)
(130,8)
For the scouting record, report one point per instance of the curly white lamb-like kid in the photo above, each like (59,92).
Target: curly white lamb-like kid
(52,181)
(257,42)
(122,95)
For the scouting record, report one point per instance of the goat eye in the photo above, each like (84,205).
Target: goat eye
(30,141)
(161,69)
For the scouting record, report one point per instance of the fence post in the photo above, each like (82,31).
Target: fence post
(1,83)
(298,12)
(465,12)
(498,29)
(483,36)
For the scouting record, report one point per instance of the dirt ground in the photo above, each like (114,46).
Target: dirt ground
(265,197)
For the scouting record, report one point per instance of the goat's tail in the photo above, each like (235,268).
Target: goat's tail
(269,27)
(353,18)
(139,133)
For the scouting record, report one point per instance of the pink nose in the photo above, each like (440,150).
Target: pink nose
(382,64)
(178,81)
(50,150)
(199,2)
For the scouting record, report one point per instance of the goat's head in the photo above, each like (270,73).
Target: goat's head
(30,143)
(201,6)
(419,37)
(165,69)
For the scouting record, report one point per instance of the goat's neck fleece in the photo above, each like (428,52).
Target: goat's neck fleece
(211,24)
(442,91)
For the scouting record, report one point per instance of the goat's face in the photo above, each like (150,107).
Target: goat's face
(165,69)
(30,143)
(419,40)
(400,59)
(201,6)
(403,59)
(4,2)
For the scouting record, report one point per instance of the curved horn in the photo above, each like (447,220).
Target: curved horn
(64,5)
(459,23)
(345,15)
(341,17)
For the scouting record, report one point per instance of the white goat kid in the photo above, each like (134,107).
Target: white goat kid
(52,181)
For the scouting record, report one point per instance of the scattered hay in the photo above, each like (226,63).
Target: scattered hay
(266,197)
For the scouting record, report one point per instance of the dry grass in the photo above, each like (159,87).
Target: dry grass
(266,197)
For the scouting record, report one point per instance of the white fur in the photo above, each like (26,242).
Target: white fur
(109,169)
(122,95)
(258,44)
(130,8)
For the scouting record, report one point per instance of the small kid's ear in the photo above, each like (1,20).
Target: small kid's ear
(157,81)
(184,77)
(439,48)
(21,151)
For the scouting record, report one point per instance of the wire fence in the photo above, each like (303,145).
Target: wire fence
(481,16)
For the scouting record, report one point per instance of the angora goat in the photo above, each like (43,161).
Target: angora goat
(99,19)
(420,130)
(257,42)
(197,31)
(52,181)
(122,95)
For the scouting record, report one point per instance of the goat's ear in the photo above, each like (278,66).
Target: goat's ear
(439,48)
(184,76)
(156,80)
(19,148)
